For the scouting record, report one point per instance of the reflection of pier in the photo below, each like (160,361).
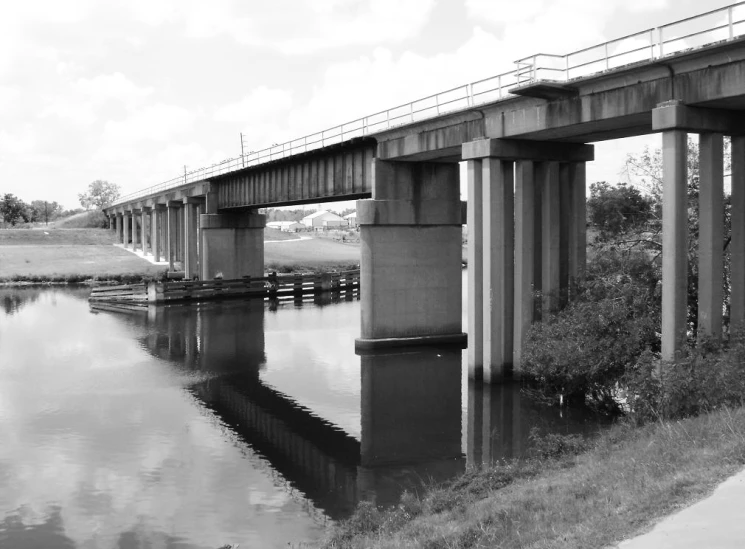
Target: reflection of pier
(501,418)
(410,407)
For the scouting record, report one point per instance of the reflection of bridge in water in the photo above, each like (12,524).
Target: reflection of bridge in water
(410,406)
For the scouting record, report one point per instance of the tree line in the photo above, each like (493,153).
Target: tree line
(14,210)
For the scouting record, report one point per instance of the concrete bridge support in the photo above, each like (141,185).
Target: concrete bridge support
(119,228)
(146,214)
(174,234)
(529,222)
(232,244)
(126,228)
(136,228)
(675,120)
(411,255)
(156,228)
(190,236)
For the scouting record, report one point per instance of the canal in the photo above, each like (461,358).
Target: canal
(226,422)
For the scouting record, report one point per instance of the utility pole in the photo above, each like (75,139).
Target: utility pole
(243,158)
(46,214)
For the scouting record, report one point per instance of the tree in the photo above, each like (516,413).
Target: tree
(101,194)
(13,209)
(619,209)
(43,211)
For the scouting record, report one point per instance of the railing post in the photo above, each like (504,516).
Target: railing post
(305,140)
(499,85)
(437,104)
(607,59)
(323,142)
(651,43)
(566,67)
(243,158)
(411,108)
(469,99)
(660,42)
(388,118)
(341,134)
(184,174)
(730,23)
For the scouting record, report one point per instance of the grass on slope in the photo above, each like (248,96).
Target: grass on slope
(627,479)
(311,254)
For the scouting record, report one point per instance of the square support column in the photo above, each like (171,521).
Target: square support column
(411,253)
(136,228)
(232,245)
(499,267)
(711,234)
(577,237)
(525,255)
(127,225)
(191,258)
(474,220)
(674,242)
(118,228)
(174,235)
(146,211)
(548,173)
(737,244)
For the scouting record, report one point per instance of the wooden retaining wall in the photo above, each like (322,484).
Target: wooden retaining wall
(272,286)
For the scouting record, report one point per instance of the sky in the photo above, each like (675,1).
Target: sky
(132,91)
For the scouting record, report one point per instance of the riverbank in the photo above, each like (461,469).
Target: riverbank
(42,256)
(575,494)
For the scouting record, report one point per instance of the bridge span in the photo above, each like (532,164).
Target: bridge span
(526,140)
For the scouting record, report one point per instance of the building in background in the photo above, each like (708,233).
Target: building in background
(323,219)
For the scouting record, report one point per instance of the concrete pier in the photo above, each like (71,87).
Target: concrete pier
(232,245)
(475,254)
(674,242)
(737,246)
(127,226)
(411,258)
(533,225)
(190,235)
(711,235)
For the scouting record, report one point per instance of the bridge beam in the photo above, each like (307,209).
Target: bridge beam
(411,256)
(232,244)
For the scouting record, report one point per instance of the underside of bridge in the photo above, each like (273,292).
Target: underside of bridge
(526,206)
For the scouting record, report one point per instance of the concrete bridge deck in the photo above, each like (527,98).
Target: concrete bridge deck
(526,141)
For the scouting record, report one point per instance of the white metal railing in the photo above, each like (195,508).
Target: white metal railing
(706,28)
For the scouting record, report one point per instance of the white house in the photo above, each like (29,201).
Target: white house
(287,226)
(323,218)
(351,219)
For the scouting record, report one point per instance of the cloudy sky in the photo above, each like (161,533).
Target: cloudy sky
(131,91)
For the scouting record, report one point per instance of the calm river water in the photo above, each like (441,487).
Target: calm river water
(195,426)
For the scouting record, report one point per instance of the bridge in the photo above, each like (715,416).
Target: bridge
(526,135)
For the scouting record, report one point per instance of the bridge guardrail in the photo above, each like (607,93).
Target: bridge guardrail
(696,31)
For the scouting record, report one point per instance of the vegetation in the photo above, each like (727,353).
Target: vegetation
(100,194)
(570,494)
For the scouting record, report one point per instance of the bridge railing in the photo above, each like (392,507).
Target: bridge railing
(693,32)
(706,28)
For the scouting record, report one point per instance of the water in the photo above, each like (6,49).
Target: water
(196,426)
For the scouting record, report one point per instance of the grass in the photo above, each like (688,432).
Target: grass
(83,220)
(310,255)
(75,255)
(628,478)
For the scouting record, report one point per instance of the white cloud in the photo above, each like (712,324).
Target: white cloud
(294,27)
(261,104)
(114,86)
(158,122)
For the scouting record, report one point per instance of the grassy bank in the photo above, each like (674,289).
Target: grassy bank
(76,255)
(614,488)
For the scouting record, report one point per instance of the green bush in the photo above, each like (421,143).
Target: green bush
(582,352)
(707,378)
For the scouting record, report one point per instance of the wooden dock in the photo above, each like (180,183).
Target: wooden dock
(273,286)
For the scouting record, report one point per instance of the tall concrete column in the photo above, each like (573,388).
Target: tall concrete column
(157,229)
(525,255)
(411,256)
(191,234)
(577,237)
(674,247)
(232,245)
(499,267)
(136,229)
(173,234)
(118,227)
(474,219)
(737,244)
(127,226)
(146,211)
(711,234)
(548,173)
